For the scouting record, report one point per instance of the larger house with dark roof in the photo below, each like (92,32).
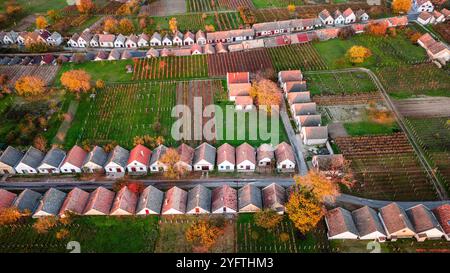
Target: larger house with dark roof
(274,197)
(9,160)
(396,222)
(27,200)
(199,200)
(340,224)
(30,161)
(52,161)
(95,160)
(368,224)
(117,160)
(250,198)
(224,200)
(424,223)
(50,203)
(150,201)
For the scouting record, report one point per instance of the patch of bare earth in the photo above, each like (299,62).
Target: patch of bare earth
(424,107)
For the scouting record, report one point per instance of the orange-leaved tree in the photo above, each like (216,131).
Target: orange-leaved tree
(268,219)
(170,159)
(76,81)
(173,24)
(29,86)
(265,93)
(401,6)
(377,29)
(9,215)
(203,234)
(85,6)
(41,22)
(358,54)
(126,26)
(110,25)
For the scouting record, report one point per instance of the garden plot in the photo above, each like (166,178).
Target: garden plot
(45,72)
(424,107)
(172,67)
(164,8)
(347,99)
(235,4)
(122,111)
(386,168)
(347,113)
(339,83)
(413,80)
(253,61)
(228,20)
(433,135)
(298,56)
(285,238)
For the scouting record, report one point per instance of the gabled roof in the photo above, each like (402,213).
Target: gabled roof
(32,157)
(250,195)
(54,157)
(284,152)
(151,198)
(186,153)
(189,34)
(52,201)
(427,40)
(209,49)
(196,47)
(296,86)
(244,100)
(337,13)
(394,218)
(226,152)
(158,152)
(125,200)
(360,13)
(141,154)
(299,97)
(152,52)
(6,198)
(106,38)
(422,219)
(182,52)
(75,156)
(238,77)
(328,162)
(273,196)
(324,14)
(48,58)
(27,200)
(446,12)
(126,55)
(103,55)
(156,35)
(11,156)
(442,214)
(176,198)
(133,38)
(114,54)
(245,152)
(120,38)
(290,76)
(118,156)
(347,12)
(224,196)
(97,156)
(228,34)
(75,37)
(424,15)
(205,152)
(75,202)
(437,48)
(221,48)
(309,120)
(100,200)
(87,36)
(307,108)
(200,35)
(317,132)
(340,220)
(178,34)
(144,37)
(199,197)
(367,221)
(265,151)
(421,2)
(239,89)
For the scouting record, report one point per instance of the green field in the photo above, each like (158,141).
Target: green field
(413,80)
(276,3)
(254,239)
(370,128)
(298,56)
(122,111)
(386,51)
(400,246)
(339,83)
(94,233)
(109,71)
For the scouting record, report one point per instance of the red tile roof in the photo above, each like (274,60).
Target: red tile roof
(244,100)
(186,153)
(226,152)
(101,200)
(75,156)
(75,201)
(6,198)
(175,198)
(141,154)
(239,89)
(238,77)
(290,75)
(427,40)
(224,196)
(394,218)
(284,152)
(125,200)
(442,213)
(303,38)
(245,152)
(347,12)
(283,40)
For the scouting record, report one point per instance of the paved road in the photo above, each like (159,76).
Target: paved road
(296,144)
(422,159)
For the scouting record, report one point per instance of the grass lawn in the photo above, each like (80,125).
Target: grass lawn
(109,71)
(339,83)
(94,233)
(386,51)
(400,246)
(276,3)
(370,128)
(192,22)
(248,127)
(252,238)
(122,111)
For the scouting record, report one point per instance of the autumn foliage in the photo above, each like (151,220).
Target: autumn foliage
(377,29)
(174,170)
(29,86)
(358,54)
(76,81)
(318,185)
(203,234)
(126,26)
(44,224)
(110,25)
(304,210)
(268,219)
(41,22)
(9,215)
(401,6)
(266,93)
(85,6)
(173,24)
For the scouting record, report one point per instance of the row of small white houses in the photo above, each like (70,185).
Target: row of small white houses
(140,160)
(391,222)
(303,110)
(101,201)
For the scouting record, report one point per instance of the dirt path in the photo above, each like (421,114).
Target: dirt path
(424,107)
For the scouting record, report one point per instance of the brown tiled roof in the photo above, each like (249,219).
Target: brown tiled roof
(308,108)
(244,100)
(367,221)
(394,218)
(427,40)
(273,196)
(424,15)
(239,89)
(284,152)
(299,97)
(186,153)
(245,152)
(101,200)
(324,14)
(340,220)
(226,152)
(421,218)
(238,77)
(296,86)
(437,48)
(290,75)
(125,200)
(196,47)
(106,38)
(347,12)
(175,198)
(75,202)
(265,151)
(141,154)
(224,196)
(328,162)
(319,132)
(6,198)
(442,213)
(76,156)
